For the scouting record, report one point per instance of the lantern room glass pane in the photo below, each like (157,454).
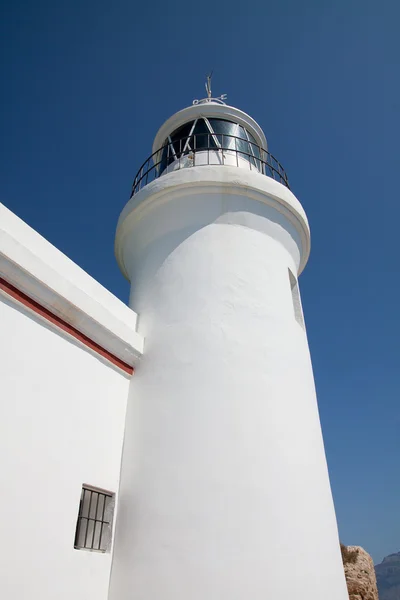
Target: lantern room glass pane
(203,138)
(180,136)
(196,136)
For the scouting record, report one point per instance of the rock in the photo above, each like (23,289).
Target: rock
(360,573)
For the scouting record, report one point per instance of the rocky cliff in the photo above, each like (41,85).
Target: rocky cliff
(388,577)
(360,573)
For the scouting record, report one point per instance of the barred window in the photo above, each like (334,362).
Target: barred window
(94,525)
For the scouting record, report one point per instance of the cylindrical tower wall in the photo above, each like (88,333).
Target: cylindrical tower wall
(224,488)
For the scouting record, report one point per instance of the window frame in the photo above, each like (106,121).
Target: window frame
(107,511)
(296,300)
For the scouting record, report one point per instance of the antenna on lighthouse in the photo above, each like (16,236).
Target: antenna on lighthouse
(208,84)
(219,100)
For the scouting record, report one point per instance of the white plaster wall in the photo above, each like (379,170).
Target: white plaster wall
(62,417)
(224,487)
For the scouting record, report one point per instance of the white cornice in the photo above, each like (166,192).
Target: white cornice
(213,180)
(39,270)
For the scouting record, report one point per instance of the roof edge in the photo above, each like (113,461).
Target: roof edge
(43,273)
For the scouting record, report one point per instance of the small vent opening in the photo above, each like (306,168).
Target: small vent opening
(298,311)
(94,525)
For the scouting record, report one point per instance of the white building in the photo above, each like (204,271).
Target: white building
(203,476)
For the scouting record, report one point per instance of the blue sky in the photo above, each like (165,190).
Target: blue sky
(86,85)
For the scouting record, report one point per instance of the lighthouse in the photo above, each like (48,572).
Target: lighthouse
(224,490)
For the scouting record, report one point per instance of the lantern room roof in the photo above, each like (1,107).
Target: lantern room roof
(209,108)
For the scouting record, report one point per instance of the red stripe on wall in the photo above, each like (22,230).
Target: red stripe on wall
(15,293)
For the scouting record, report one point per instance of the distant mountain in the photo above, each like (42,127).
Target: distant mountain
(388,577)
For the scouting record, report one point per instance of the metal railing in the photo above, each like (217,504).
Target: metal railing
(208,149)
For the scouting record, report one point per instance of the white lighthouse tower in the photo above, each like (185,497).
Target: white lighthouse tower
(224,491)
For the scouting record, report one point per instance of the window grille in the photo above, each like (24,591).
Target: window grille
(93,528)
